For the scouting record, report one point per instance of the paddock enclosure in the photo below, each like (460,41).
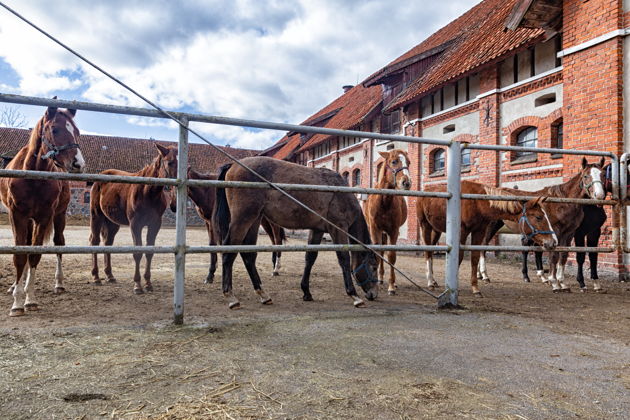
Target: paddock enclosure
(399,356)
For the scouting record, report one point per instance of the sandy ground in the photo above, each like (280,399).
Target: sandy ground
(519,352)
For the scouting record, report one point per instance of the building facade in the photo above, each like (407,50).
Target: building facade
(539,73)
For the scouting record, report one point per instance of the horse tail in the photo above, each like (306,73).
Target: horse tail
(221,211)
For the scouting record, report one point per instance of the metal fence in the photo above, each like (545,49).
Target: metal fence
(180,249)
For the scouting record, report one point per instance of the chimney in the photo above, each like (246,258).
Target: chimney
(346,88)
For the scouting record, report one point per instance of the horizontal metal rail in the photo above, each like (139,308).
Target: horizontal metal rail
(506,148)
(207,249)
(211,119)
(509,248)
(531,197)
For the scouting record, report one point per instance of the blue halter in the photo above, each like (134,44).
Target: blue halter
(534,231)
(369,277)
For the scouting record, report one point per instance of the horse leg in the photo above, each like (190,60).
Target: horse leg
(343,258)
(249,259)
(269,230)
(561,269)
(540,270)
(476,238)
(152,231)
(22,233)
(40,230)
(110,231)
(592,240)
(391,257)
(427,238)
(277,240)
(314,238)
(524,269)
(381,239)
(96,223)
(490,232)
(213,255)
(553,271)
(59,224)
(580,257)
(136,234)
(236,234)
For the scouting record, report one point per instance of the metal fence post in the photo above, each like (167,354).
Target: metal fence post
(180,224)
(453,224)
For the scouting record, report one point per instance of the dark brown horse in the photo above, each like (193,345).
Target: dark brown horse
(36,207)
(566,219)
(476,215)
(134,205)
(239,211)
(204,198)
(385,214)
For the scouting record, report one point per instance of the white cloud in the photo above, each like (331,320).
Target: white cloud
(273,60)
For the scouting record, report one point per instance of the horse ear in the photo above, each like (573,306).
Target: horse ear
(584,163)
(72,112)
(384,155)
(163,150)
(602,162)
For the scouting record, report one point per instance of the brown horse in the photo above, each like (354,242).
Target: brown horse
(566,219)
(204,198)
(476,215)
(36,207)
(385,214)
(135,205)
(238,213)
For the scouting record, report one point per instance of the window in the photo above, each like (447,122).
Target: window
(86,197)
(346,141)
(346,175)
(545,99)
(448,129)
(437,163)
(466,158)
(356,177)
(391,123)
(526,138)
(321,150)
(557,137)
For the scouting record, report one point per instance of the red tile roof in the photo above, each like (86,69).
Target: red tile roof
(104,152)
(475,39)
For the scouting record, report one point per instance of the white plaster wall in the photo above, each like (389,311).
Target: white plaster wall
(524,106)
(545,56)
(474,85)
(344,158)
(466,124)
(626,5)
(327,164)
(449,96)
(506,72)
(382,147)
(524,67)
(532,184)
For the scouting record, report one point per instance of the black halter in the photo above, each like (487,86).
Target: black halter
(395,171)
(369,277)
(588,186)
(534,231)
(54,150)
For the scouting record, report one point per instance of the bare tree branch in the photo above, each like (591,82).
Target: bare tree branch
(10,116)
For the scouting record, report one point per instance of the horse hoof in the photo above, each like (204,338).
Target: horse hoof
(275,273)
(111,280)
(234,305)
(477,294)
(583,289)
(307,298)
(17,312)
(487,280)
(267,301)
(556,290)
(601,291)
(209,280)
(10,290)
(33,307)
(380,282)
(359,303)
(526,280)
(148,288)
(59,290)
(98,282)
(391,292)
(138,291)
(566,290)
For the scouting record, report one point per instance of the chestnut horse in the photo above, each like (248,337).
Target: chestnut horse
(135,205)
(568,220)
(385,214)
(476,215)
(238,213)
(204,198)
(37,207)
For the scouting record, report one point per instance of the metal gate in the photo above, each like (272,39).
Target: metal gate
(180,248)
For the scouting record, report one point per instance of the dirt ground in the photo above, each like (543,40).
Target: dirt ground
(519,352)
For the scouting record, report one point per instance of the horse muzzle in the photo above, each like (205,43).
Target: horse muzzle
(550,244)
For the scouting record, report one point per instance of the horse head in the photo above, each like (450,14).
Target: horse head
(535,225)
(591,180)
(364,266)
(167,161)
(397,163)
(59,136)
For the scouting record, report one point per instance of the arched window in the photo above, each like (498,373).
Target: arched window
(528,137)
(438,160)
(556,135)
(356,177)
(346,175)
(466,158)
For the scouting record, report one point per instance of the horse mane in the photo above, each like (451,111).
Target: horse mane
(506,206)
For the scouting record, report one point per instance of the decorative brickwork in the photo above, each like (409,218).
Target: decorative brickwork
(526,89)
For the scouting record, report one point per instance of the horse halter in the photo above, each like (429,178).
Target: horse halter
(369,277)
(395,171)
(54,150)
(534,231)
(588,186)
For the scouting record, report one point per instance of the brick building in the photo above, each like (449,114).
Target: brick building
(127,154)
(541,73)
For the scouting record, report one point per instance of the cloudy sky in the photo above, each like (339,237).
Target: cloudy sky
(267,60)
